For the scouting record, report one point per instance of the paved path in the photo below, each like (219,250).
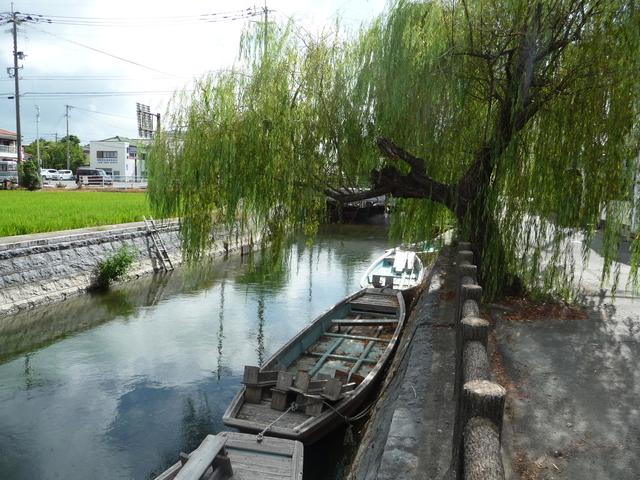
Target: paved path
(574,406)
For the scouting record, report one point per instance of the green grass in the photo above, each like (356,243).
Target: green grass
(24,212)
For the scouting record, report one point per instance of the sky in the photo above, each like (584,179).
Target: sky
(102,57)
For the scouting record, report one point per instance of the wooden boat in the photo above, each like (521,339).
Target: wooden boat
(396,268)
(239,456)
(324,374)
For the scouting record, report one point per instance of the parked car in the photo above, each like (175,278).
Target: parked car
(66,175)
(49,174)
(92,176)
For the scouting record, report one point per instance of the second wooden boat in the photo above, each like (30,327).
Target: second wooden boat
(238,456)
(324,374)
(396,268)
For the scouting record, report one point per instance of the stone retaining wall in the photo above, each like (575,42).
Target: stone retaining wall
(40,269)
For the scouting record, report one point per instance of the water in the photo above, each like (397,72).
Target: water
(115,385)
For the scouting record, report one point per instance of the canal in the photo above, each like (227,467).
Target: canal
(114,385)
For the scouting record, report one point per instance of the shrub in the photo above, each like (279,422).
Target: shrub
(29,173)
(115,266)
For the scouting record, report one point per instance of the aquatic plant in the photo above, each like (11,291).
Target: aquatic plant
(115,266)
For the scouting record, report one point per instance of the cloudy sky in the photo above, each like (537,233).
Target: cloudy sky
(101,57)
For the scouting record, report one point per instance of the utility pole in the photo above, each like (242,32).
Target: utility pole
(266,21)
(38,135)
(67,115)
(16,18)
(16,77)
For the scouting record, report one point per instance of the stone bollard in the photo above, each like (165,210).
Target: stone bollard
(482,456)
(467,292)
(471,329)
(479,398)
(464,246)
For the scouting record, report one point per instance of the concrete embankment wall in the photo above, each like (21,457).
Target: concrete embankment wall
(43,268)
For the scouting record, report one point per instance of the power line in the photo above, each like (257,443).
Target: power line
(93,94)
(104,113)
(104,53)
(151,22)
(86,77)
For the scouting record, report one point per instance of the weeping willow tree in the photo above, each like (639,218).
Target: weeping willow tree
(514,121)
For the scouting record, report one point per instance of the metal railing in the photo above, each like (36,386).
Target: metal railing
(129,178)
(8,149)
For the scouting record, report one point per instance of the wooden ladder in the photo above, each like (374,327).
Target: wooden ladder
(158,243)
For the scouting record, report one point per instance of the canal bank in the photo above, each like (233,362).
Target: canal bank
(409,434)
(42,268)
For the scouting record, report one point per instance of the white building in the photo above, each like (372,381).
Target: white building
(8,146)
(121,157)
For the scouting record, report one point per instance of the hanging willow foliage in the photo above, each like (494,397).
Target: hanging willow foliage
(514,121)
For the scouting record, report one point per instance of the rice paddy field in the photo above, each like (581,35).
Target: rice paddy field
(24,212)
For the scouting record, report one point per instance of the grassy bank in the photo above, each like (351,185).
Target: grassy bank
(25,212)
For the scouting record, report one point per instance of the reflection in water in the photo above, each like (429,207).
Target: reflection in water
(220,331)
(260,337)
(116,384)
(118,304)
(196,420)
(30,377)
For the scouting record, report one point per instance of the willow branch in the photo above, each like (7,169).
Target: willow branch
(394,152)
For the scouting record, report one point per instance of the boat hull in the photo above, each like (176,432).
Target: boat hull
(323,347)
(267,459)
(396,268)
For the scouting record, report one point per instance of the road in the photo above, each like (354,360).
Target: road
(72,184)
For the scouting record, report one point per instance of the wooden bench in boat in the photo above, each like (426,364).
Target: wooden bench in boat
(365,321)
(311,394)
(334,390)
(303,386)
(255,380)
(400,262)
(280,392)
(210,453)
(382,280)
(375,301)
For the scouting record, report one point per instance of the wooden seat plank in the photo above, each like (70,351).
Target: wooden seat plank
(365,321)
(347,358)
(202,458)
(357,337)
(255,380)
(375,303)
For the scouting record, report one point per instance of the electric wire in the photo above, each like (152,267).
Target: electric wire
(150,22)
(92,94)
(104,53)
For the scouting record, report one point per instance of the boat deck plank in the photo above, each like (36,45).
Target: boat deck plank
(373,302)
(262,414)
(270,459)
(268,445)
(254,465)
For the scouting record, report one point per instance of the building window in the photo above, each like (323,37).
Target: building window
(103,154)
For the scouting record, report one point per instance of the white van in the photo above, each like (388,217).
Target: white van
(92,176)
(8,171)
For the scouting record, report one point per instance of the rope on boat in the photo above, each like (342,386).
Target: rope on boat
(348,437)
(292,408)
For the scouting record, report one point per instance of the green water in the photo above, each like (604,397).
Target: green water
(115,385)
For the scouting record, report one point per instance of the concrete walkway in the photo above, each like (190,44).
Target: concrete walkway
(574,386)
